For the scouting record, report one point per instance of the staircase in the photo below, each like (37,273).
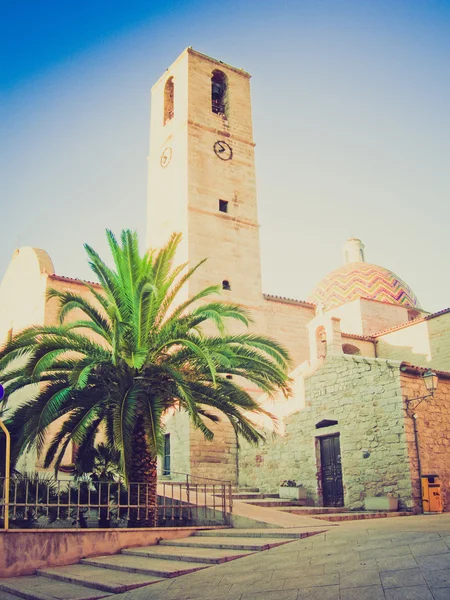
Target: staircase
(100,577)
(337,514)
(297,507)
(256,498)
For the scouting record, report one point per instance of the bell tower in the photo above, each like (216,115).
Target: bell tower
(202,174)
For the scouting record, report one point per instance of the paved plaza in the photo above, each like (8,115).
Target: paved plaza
(406,558)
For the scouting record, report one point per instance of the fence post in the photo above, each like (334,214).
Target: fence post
(7,472)
(188,498)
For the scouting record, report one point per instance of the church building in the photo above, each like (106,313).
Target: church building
(361,343)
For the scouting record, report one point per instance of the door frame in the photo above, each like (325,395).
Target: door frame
(318,438)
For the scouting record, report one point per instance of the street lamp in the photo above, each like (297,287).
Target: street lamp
(431,382)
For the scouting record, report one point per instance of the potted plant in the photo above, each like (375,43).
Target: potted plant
(291,490)
(388,502)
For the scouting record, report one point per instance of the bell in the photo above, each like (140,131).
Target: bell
(216,90)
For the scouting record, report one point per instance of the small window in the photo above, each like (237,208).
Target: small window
(325,423)
(226,285)
(223,206)
(413,314)
(350,349)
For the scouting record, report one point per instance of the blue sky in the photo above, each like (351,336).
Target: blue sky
(351,122)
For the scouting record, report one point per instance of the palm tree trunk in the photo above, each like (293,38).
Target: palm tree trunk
(143,482)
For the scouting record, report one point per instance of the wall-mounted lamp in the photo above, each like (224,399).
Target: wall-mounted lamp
(431,382)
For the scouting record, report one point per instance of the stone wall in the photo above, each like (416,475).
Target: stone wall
(365,316)
(425,343)
(364,396)
(433,425)
(439,332)
(216,459)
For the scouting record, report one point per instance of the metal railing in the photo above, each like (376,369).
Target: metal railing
(42,501)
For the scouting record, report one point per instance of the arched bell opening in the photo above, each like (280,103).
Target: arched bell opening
(169,99)
(321,342)
(219,89)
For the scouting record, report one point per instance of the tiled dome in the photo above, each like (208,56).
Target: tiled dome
(358,279)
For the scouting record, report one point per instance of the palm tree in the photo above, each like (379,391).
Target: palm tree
(134,353)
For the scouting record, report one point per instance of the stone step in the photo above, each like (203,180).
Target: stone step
(209,486)
(256,533)
(34,587)
(314,510)
(98,578)
(252,496)
(273,502)
(157,567)
(355,516)
(229,543)
(197,555)
(5,596)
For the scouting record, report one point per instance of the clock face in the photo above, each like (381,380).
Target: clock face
(223,150)
(166,157)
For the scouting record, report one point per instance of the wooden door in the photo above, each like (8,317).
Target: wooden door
(331,471)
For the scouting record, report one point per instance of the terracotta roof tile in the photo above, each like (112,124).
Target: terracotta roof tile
(274,298)
(73,280)
(407,367)
(367,338)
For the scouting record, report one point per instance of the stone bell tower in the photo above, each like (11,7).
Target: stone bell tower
(202,174)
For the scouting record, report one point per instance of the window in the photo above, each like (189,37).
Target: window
(325,423)
(169,100)
(350,349)
(223,206)
(166,455)
(219,93)
(226,285)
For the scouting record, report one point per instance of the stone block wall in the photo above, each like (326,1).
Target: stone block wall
(425,343)
(364,396)
(410,343)
(216,459)
(433,425)
(439,332)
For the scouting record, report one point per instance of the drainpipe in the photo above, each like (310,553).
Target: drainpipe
(416,437)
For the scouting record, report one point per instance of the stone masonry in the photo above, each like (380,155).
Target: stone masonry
(364,395)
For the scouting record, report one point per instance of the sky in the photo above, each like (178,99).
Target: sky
(351,123)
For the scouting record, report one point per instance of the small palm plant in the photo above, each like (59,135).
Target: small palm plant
(135,352)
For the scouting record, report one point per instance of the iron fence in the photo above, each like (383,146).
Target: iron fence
(37,501)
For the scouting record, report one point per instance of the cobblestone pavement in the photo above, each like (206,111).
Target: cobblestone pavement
(405,558)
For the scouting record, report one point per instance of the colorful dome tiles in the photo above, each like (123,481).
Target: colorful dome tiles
(363,280)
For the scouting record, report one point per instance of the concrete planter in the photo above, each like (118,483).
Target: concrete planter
(380,503)
(292,493)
